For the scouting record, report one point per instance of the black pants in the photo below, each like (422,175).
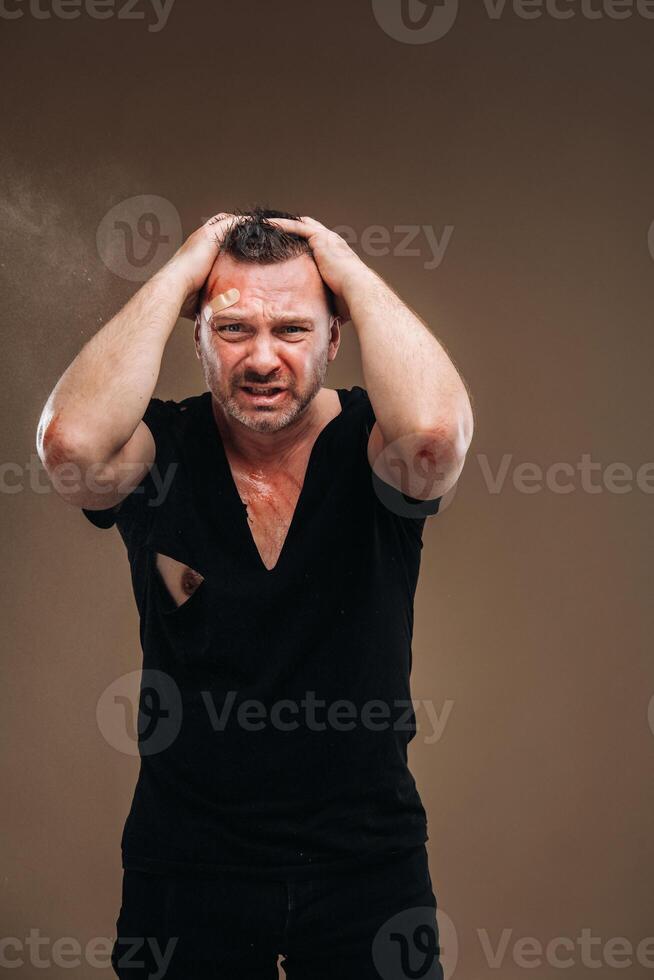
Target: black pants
(377,922)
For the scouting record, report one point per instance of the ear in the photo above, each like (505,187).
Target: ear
(196,335)
(334,336)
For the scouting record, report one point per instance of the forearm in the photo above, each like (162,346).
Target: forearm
(101,397)
(412,383)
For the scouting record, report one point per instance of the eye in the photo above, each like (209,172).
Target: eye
(226,327)
(293,326)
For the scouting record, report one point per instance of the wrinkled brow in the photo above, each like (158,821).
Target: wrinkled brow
(232,316)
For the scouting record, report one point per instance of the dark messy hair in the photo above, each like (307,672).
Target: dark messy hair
(257,240)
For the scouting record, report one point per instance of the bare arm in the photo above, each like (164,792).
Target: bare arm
(424,419)
(93,417)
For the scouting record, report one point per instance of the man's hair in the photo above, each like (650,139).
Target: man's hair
(257,240)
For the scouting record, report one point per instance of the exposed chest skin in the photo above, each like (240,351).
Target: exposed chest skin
(270,497)
(181,580)
(270,501)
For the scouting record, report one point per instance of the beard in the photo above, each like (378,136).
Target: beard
(265,418)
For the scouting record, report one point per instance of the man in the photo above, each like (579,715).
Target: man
(274,571)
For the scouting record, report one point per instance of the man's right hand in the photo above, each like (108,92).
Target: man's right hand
(193,261)
(94,415)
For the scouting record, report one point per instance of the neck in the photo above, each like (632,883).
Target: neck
(262,449)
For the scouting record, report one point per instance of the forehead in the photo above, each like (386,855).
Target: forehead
(295,283)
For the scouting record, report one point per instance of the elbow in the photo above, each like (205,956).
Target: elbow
(56,443)
(440,456)
(453,428)
(450,439)
(66,458)
(443,449)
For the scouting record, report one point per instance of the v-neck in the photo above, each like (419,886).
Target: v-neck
(233,496)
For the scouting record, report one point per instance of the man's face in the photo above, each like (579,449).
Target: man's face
(278,334)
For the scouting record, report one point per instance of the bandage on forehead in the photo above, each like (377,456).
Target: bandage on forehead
(220,302)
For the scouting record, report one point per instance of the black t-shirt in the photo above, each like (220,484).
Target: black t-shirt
(247,761)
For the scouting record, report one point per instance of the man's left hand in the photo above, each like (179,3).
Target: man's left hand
(339,266)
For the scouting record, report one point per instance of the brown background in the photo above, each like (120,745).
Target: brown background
(534,139)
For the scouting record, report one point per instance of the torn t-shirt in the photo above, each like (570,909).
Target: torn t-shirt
(275,707)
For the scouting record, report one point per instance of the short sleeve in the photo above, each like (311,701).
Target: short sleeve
(390,497)
(138,505)
(401,504)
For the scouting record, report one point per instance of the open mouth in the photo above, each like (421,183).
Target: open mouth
(263,393)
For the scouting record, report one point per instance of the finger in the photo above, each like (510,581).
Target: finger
(220,225)
(304,218)
(226,216)
(221,302)
(219,217)
(293,226)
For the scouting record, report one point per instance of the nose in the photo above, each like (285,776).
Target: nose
(262,359)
